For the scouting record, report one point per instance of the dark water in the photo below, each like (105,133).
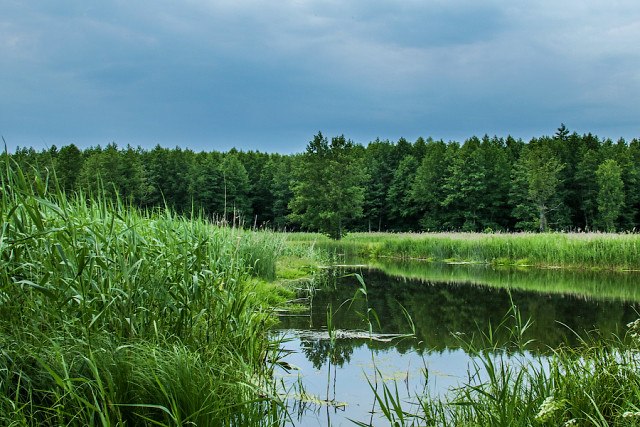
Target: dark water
(454,306)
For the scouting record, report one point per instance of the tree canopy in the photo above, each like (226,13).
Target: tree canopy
(564,181)
(328,190)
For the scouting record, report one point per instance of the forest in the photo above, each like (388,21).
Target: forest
(563,182)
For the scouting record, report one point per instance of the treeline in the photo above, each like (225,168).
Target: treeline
(565,181)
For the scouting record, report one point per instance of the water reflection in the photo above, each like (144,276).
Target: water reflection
(440,309)
(444,303)
(589,284)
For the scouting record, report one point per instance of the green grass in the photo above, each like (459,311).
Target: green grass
(115,316)
(574,250)
(596,384)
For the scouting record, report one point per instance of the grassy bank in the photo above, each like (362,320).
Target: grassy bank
(574,250)
(113,316)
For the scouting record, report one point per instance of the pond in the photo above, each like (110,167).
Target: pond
(442,305)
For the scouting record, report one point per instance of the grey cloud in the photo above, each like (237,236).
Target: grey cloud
(254,71)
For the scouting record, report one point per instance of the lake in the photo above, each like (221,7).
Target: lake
(447,305)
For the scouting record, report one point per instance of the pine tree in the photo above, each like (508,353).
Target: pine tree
(587,187)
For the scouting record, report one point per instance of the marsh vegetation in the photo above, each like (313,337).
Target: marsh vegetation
(110,315)
(608,251)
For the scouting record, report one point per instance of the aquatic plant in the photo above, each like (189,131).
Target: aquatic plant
(597,383)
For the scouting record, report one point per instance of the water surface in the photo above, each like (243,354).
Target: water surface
(447,305)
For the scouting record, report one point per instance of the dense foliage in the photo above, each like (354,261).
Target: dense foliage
(562,182)
(114,316)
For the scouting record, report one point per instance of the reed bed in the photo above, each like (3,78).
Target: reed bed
(575,250)
(114,316)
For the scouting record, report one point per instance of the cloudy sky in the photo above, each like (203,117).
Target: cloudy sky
(268,75)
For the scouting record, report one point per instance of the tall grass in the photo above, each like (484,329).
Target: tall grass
(595,384)
(114,316)
(584,250)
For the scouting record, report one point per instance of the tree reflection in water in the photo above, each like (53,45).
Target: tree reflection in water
(441,309)
(451,302)
(321,351)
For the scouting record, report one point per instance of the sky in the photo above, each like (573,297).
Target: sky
(268,75)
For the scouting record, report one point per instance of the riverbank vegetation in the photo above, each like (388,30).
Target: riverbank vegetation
(608,251)
(111,315)
(594,384)
(565,181)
